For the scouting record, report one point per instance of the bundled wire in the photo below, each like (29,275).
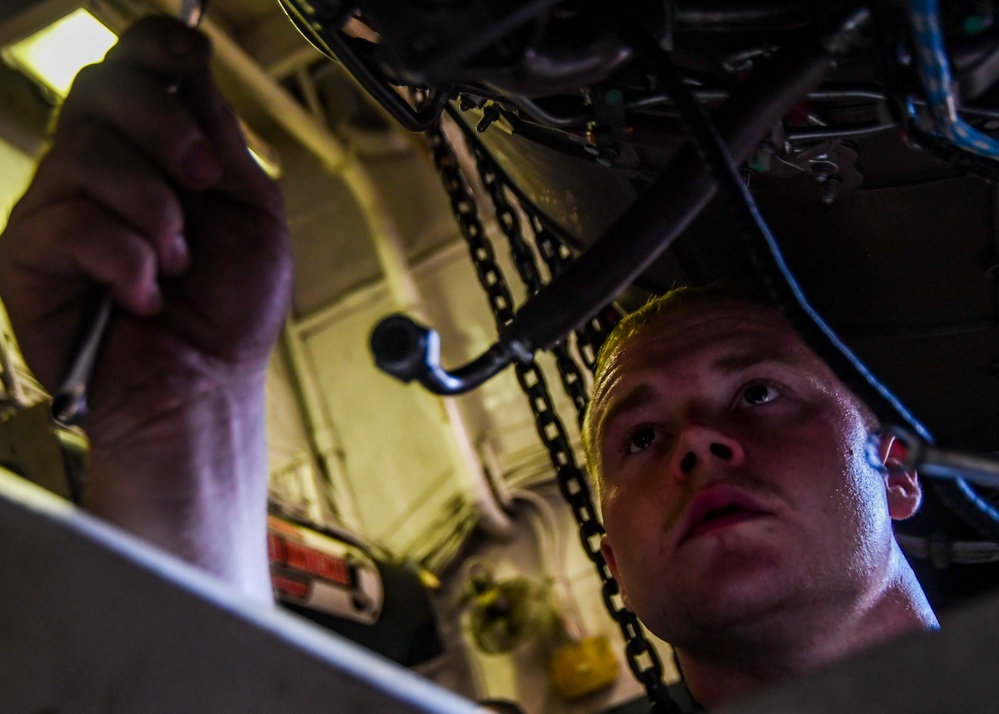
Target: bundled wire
(934,70)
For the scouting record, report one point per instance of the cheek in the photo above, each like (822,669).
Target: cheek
(858,505)
(821,468)
(636,521)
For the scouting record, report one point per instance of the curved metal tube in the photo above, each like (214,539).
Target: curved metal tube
(410,351)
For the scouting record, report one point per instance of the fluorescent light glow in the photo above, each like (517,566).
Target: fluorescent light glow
(53,56)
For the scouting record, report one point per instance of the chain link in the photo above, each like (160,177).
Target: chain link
(641,656)
(557,255)
(523,257)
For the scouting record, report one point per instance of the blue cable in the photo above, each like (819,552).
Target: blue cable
(935,73)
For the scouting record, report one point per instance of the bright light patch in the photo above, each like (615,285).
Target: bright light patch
(270,168)
(54,55)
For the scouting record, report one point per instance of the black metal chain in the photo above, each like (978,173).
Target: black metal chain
(527,267)
(641,656)
(555,251)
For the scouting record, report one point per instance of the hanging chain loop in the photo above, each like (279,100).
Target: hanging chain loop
(640,654)
(523,257)
(558,256)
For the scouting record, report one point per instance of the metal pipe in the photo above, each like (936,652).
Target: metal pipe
(406,294)
(834,132)
(322,435)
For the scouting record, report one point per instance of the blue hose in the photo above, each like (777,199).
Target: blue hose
(935,73)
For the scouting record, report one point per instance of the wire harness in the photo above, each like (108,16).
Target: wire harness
(934,70)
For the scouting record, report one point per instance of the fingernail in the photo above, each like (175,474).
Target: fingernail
(182,42)
(200,164)
(178,256)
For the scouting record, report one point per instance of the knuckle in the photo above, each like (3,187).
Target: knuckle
(134,262)
(141,33)
(160,44)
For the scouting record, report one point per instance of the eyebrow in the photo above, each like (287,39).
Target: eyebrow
(732,363)
(726,365)
(641,395)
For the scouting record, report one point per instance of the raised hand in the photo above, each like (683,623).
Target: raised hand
(149,192)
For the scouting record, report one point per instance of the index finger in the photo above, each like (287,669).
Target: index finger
(163,46)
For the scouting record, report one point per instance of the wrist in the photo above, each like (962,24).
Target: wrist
(191,478)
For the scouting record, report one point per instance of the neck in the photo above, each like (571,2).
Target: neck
(742,660)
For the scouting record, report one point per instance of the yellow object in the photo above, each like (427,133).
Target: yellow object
(583,667)
(53,56)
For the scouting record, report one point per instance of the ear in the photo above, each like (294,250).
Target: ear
(901,487)
(608,552)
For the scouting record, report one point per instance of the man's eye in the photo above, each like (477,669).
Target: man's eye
(756,394)
(642,438)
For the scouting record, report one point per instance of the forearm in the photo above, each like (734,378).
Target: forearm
(194,482)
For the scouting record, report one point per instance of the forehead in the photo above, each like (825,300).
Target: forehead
(722,337)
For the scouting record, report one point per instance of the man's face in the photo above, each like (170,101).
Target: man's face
(736,488)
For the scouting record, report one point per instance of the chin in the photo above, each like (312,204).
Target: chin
(741,596)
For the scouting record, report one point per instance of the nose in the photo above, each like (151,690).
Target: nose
(700,446)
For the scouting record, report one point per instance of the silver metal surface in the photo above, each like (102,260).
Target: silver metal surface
(981,469)
(191,12)
(93,620)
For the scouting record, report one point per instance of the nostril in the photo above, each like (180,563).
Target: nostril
(721,451)
(688,462)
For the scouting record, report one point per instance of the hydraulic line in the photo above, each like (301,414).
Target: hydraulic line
(934,69)
(957,494)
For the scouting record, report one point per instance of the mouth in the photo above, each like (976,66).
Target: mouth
(717,508)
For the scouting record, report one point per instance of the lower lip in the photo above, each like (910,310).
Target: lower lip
(713,525)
